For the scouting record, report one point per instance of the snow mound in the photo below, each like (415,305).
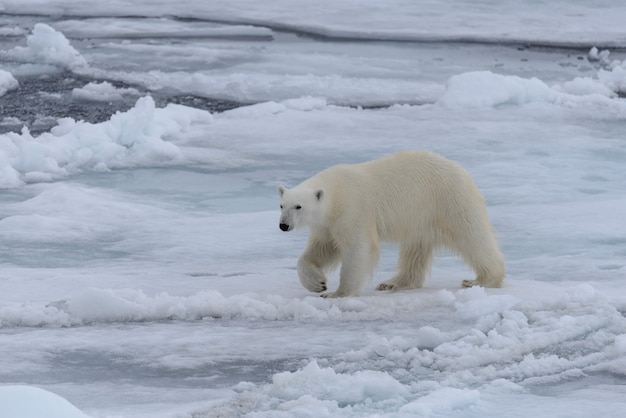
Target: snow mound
(486,89)
(48,46)
(614,78)
(328,385)
(32,402)
(480,89)
(139,137)
(582,86)
(442,402)
(7,82)
(610,80)
(102,92)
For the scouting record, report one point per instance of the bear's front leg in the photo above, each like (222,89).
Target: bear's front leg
(321,253)
(357,267)
(311,276)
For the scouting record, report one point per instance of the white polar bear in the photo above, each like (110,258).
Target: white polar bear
(417,199)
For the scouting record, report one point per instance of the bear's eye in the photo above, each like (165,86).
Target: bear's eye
(281,206)
(298,207)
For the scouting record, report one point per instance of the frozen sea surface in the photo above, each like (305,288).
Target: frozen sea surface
(143,273)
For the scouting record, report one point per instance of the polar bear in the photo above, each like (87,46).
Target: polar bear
(417,199)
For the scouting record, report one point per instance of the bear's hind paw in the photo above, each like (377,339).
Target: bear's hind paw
(386,286)
(472,283)
(336,294)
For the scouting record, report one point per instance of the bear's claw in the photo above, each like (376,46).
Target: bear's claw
(319,288)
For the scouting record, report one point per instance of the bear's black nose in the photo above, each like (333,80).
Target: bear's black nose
(284,227)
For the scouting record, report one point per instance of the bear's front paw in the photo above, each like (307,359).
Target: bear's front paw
(311,277)
(469,283)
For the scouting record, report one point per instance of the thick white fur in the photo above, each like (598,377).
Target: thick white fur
(417,199)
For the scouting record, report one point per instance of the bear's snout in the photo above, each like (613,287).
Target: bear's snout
(284,227)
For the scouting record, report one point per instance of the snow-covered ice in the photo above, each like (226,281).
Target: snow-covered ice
(143,273)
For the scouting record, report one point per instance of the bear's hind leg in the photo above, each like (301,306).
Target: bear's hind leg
(486,278)
(413,265)
(486,260)
(318,255)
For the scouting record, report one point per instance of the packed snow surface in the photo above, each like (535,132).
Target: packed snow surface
(143,270)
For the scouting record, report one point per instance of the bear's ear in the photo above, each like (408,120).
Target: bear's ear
(281,190)
(319,194)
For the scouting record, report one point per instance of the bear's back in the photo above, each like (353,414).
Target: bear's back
(403,193)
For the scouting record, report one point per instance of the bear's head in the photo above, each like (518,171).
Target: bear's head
(299,207)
